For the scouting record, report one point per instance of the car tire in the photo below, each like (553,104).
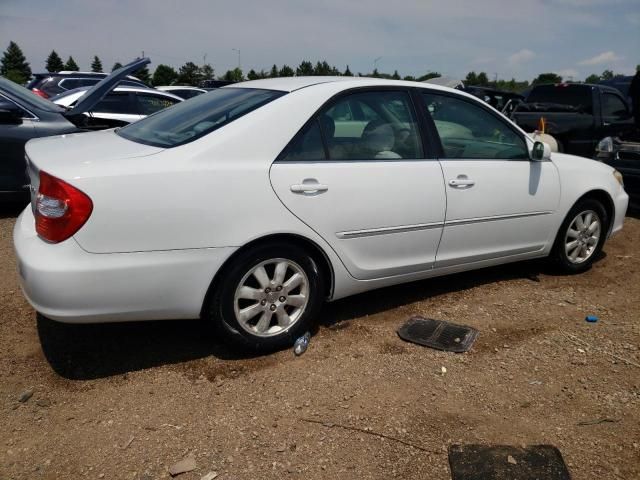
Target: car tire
(278,308)
(578,244)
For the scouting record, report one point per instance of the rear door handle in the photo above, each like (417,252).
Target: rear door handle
(309,186)
(461,182)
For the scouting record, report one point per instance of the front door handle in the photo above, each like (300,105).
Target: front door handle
(309,185)
(461,181)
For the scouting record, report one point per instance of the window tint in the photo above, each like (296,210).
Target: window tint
(149,104)
(580,97)
(6,104)
(371,125)
(613,106)
(201,115)
(71,83)
(186,93)
(117,103)
(469,131)
(307,146)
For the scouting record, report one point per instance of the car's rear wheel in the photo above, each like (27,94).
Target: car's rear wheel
(581,236)
(268,297)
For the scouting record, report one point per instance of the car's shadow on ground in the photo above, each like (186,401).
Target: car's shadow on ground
(83,352)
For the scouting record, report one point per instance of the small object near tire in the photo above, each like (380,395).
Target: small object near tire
(267,297)
(581,236)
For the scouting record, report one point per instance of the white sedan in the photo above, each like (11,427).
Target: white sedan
(251,205)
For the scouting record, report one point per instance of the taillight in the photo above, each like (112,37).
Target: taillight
(40,93)
(61,209)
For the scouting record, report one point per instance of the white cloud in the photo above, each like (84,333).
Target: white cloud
(522,56)
(601,59)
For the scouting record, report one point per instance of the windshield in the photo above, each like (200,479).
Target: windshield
(26,97)
(197,117)
(577,96)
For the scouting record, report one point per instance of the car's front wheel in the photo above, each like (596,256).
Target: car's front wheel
(581,236)
(268,297)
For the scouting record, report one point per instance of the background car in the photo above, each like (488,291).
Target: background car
(24,116)
(48,85)
(184,92)
(251,205)
(623,154)
(122,106)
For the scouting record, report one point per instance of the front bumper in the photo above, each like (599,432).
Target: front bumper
(65,283)
(621,202)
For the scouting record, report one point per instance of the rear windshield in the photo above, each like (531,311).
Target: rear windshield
(197,117)
(27,98)
(578,96)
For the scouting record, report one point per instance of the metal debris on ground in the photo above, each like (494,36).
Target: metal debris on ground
(438,334)
(301,344)
(481,462)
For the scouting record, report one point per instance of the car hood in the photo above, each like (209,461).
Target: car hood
(82,154)
(104,86)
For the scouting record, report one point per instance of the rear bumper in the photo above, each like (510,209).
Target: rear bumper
(65,283)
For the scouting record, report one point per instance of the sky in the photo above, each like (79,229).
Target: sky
(507,38)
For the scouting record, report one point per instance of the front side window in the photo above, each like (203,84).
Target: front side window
(149,104)
(613,107)
(468,131)
(371,125)
(190,120)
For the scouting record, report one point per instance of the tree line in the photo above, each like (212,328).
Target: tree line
(15,67)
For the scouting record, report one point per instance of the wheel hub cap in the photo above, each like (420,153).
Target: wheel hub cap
(582,237)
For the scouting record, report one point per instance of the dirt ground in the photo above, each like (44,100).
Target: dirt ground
(130,400)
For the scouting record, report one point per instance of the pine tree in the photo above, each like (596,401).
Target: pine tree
(116,66)
(14,65)
(286,71)
(396,75)
(305,69)
(274,71)
(252,75)
(347,72)
(189,74)
(164,75)
(143,75)
(54,62)
(96,65)
(206,72)
(71,65)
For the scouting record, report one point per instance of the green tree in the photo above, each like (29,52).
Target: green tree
(593,78)
(274,71)
(483,80)
(375,73)
(252,75)
(547,78)
(14,65)
(322,68)
(71,65)
(409,78)
(607,75)
(189,74)
(54,62)
(234,75)
(96,65)
(305,69)
(116,66)
(286,71)
(396,75)
(143,75)
(164,75)
(471,78)
(347,72)
(206,72)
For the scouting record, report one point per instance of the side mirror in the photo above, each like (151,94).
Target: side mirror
(10,115)
(540,152)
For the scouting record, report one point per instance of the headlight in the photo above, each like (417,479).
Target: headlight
(618,176)
(605,145)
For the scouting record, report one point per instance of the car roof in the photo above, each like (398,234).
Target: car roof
(164,88)
(290,84)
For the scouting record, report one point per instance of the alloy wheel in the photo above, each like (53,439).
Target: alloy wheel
(582,236)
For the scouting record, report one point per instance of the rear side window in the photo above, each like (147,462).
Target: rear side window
(71,83)
(468,131)
(579,97)
(360,126)
(187,121)
(149,104)
(117,103)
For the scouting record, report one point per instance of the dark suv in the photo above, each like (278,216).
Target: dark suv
(49,85)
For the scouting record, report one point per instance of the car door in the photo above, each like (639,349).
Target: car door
(13,135)
(616,117)
(499,203)
(117,106)
(366,187)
